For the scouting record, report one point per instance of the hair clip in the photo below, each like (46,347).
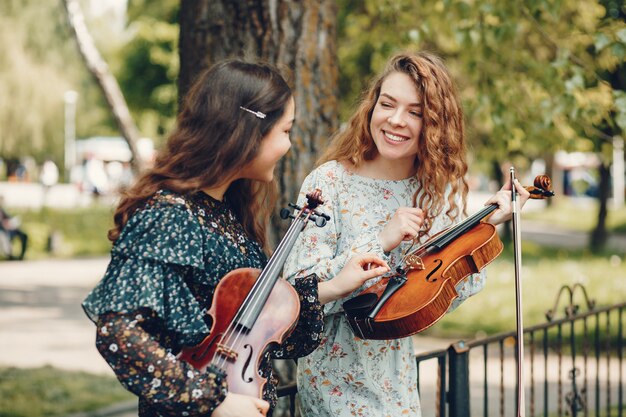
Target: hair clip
(258,114)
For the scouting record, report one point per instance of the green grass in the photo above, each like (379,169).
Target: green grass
(544,272)
(79,232)
(47,391)
(578,214)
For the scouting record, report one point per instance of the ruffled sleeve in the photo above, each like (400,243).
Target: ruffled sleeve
(157,251)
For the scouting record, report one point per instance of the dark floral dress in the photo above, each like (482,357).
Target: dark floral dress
(153,300)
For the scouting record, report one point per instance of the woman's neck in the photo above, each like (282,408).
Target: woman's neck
(383,169)
(217,192)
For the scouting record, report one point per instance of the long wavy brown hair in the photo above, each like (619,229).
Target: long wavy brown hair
(214,139)
(441,159)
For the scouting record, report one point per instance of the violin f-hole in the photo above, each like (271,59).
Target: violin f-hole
(246,365)
(439,262)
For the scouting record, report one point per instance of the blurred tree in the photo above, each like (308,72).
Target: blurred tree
(39,64)
(107,82)
(147,65)
(295,35)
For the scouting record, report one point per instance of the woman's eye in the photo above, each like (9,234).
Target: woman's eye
(416,113)
(386,105)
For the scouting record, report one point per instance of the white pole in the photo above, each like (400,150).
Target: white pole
(618,172)
(70,97)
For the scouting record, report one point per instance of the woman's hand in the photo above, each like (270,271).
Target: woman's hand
(237,405)
(503,199)
(359,269)
(404,225)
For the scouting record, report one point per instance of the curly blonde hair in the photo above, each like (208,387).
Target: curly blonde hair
(441,159)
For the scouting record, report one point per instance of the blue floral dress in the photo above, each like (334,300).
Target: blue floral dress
(155,294)
(346,376)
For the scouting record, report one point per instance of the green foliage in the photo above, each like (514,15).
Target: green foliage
(148,65)
(47,391)
(148,75)
(534,76)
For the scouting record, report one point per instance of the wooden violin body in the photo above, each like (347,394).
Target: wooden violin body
(427,294)
(423,288)
(275,322)
(253,309)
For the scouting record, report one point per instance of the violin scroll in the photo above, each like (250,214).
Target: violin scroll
(541,188)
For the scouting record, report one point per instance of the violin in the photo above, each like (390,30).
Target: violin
(422,288)
(253,309)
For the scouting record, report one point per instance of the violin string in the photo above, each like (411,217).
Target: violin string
(231,337)
(235,338)
(266,285)
(478,215)
(255,295)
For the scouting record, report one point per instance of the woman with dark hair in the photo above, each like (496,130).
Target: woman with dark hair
(199,213)
(394,175)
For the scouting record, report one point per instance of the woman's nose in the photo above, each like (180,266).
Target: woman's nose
(396,119)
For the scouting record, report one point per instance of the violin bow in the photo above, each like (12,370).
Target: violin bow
(541,189)
(517,246)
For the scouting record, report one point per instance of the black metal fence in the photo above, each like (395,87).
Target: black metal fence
(573,366)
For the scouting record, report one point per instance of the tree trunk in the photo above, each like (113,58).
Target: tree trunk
(299,36)
(107,82)
(599,235)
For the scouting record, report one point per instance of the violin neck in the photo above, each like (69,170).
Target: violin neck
(441,241)
(260,292)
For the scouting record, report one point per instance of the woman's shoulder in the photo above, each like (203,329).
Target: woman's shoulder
(166,220)
(329,166)
(328,172)
(168,200)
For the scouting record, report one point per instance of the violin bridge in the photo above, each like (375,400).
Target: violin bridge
(414,262)
(226,351)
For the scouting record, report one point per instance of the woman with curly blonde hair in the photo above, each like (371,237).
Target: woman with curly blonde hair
(394,175)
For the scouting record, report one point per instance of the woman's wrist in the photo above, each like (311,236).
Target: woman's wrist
(328,291)
(383,242)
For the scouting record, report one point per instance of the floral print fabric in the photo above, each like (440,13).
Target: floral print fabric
(346,376)
(157,290)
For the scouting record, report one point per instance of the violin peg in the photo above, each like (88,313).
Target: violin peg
(320,221)
(285,213)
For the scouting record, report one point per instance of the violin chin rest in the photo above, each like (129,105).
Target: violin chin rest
(360,305)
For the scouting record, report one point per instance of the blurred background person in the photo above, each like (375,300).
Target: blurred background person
(10,229)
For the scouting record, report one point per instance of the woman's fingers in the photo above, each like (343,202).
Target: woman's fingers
(375,272)
(523,193)
(262,406)
(370,260)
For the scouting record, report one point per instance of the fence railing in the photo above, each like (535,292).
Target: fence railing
(573,366)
